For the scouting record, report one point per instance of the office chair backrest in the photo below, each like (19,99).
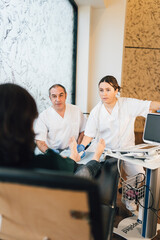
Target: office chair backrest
(43,206)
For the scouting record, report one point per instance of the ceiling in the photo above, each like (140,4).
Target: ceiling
(93,3)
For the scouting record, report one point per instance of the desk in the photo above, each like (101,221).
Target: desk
(148,228)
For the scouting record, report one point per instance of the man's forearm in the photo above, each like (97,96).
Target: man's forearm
(41,145)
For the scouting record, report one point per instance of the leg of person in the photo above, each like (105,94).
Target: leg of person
(132,169)
(93,167)
(89,170)
(73,148)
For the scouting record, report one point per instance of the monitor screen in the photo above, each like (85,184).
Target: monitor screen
(152,128)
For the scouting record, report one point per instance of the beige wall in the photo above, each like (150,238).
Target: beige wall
(100,53)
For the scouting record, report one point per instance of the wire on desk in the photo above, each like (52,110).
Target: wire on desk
(132,188)
(141,181)
(156,212)
(118,166)
(150,207)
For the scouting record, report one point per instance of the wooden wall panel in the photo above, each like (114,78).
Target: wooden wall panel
(141,73)
(141,56)
(143,23)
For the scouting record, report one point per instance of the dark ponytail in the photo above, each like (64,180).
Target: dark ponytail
(112,81)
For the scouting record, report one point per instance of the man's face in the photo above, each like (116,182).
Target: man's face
(58,98)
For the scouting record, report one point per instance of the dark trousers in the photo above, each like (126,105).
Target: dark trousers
(89,170)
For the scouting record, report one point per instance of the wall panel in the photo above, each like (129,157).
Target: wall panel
(143,23)
(141,56)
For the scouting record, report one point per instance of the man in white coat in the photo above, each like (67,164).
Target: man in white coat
(59,122)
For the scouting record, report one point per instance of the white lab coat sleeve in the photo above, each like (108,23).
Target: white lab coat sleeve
(40,129)
(83,121)
(91,125)
(138,107)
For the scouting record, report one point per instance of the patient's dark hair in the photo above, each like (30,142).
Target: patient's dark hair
(111,80)
(18,111)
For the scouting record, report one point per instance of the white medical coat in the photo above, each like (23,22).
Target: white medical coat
(117,128)
(55,130)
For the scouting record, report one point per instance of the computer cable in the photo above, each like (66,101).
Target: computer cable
(135,192)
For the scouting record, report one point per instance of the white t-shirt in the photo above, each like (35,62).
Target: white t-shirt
(55,130)
(117,128)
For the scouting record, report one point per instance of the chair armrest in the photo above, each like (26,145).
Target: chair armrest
(108,182)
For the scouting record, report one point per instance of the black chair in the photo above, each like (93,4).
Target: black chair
(108,185)
(48,205)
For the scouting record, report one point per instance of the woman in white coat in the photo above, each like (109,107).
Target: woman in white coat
(113,119)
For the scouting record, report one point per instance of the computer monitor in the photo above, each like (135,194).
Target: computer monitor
(152,129)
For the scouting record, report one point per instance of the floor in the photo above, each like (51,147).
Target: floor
(122,213)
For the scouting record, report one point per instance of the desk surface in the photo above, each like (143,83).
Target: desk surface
(151,164)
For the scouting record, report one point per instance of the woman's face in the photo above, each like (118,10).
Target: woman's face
(107,93)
